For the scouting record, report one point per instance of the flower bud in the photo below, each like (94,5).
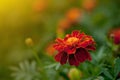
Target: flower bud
(64,24)
(115,35)
(39,5)
(74,74)
(29,42)
(50,50)
(114,38)
(73,15)
(89,4)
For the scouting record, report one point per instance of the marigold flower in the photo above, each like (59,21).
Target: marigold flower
(50,50)
(73,15)
(89,4)
(64,24)
(115,35)
(39,5)
(74,48)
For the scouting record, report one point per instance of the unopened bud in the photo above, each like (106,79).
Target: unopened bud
(74,74)
(29,42)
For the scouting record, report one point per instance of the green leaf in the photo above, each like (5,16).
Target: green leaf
(50,66)
(26,71)
(107,74)
(99,78)
(117,67)
(57,67)
(101,53)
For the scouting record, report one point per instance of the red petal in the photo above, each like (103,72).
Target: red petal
(58,47)
(55,46)
(67,36)
(81,35)
(58,56)
(82,55)
(64,58)
(88,56)
(59,40)
(73,60)
(70,49)
(85,43)
(75,33)
(117,39)
(92,47)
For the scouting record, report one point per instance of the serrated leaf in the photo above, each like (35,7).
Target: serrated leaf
(33,66)
(107,74)
(27,71)
(117,67)
(100,52)
(57,67)
(27,65)
(99,78)
(51,66)
(22,67)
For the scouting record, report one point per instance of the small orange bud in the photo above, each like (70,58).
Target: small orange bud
(29,42)
(50,50)
(73,14)
(89,4)
(39,5)
(64,24)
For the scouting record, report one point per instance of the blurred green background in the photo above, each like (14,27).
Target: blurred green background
(38,19)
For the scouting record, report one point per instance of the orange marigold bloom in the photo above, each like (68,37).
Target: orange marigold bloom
(39,5)
(74,48)
(73,15)
(64,24)
(89,4)
(50,50)
(115,35)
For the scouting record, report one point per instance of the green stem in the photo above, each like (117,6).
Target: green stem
(39,61)
(36,56)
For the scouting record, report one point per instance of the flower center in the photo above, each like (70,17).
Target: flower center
(72,40)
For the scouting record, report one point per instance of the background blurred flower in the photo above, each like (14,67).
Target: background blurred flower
(89,4)
(50,50)
(115,35)
(64,24)
(74,48)
(39,5)
(73,15)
